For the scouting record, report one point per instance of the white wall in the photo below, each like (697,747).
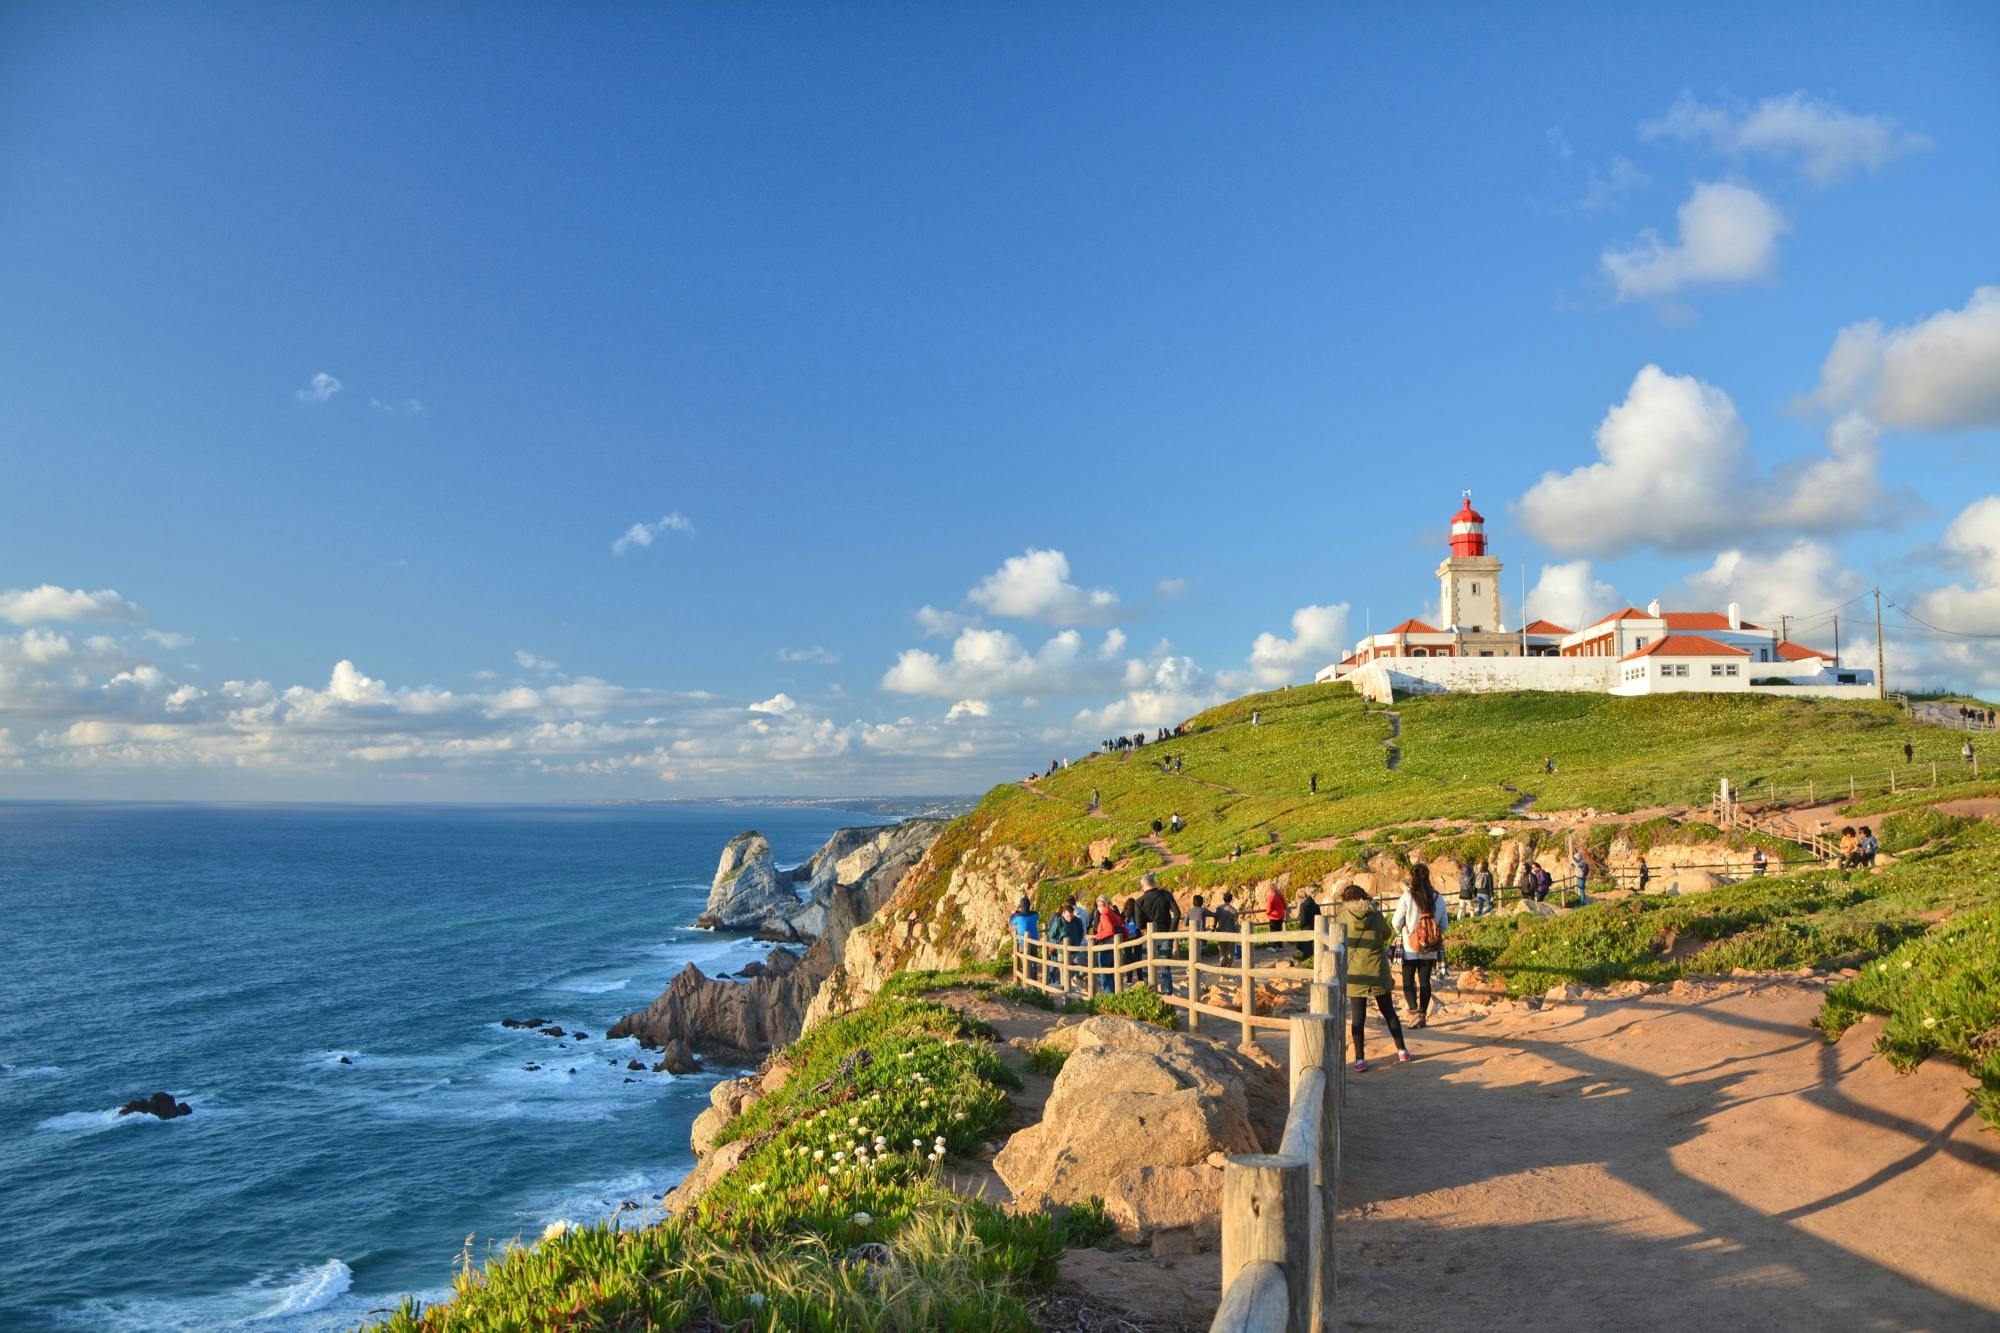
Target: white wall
(1382,680)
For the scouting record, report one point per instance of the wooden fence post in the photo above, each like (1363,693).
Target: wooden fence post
(1892,779)
(1244,998)
(1315,1040)
(1264,1220)
(1193,980)
(1850,786)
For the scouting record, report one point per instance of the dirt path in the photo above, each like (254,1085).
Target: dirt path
(1395,734)
(1697,1158)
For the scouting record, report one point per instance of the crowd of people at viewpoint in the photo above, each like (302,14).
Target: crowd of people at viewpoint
(1103,934)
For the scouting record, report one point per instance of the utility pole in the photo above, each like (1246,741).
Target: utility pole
(1784,629)
(1881,677)
(1836,643)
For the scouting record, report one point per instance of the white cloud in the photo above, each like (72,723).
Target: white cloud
(1727,233)
(645,534)
(1571,595)
(409,407)
(1036,586)
(1608,189)
(322,387)
(32,606)
(1940,373)
(968,708)
(935,624)
(991,663)
(777,705)
(1674,471)
(815,653)
(1972,543)
(1164,691)
(1802,579)
(1319,636)
(1825,141)
(167,639)
(1170,587)
(1114,643)
(530,662)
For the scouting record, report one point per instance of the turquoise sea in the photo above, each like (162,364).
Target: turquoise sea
(232,955)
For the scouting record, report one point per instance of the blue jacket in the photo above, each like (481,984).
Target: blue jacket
(1026,924)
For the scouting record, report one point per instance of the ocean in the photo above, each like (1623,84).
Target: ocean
(232,955)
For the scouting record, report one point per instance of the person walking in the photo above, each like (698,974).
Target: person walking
(1579,866)
(1159,914)
(1468,881)
(1308,909)
(1093,800)
(1482,890)
(1368,933)
(1645,873)
(1027,925)
(1966,750)
(1544,881)
(1274,908)
(1909,753)
(1420,923)
(1548,763)
(1758,863)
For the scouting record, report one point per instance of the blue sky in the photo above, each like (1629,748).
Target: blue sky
(1199,317)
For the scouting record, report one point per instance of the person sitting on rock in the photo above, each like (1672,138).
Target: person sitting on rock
(1368,934)
(1850,843)
(1867,847)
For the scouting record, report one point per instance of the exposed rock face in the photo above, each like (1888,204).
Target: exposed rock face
(748,891)
(921,927)
(1184,1098)
(741,1021)
(159,1104)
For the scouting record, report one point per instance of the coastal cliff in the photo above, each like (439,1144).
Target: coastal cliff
(847,880)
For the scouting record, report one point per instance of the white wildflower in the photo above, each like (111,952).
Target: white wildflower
(840,1157)
(824,1188)
(560,1226)
(757,1188)
(1929,1022)
(754,1299)
(861,1219)
(819,1154)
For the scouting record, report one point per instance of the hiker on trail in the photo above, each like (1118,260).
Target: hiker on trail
(1224,921)
(1482,890)
(1909,753)
(1645,872)
(1198,916)
(1544,881)
(1093,800)
(1175,824)
(1314,788)
(1026,926)
(1158,914)
(1308,914)
(1256,717)
(1177,763)
(1107,928)
(1967,751)
(1850,845)
(1468,876)
(1758,863)
(1274,907)
(1420,922)
(1548,763)
(1068,930)
(1367,973)
(1868,846)
(1157,826)
(1580,867)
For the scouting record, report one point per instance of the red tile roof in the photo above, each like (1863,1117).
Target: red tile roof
(1798,652)
(1702,620)
(1685,645)
(1629,613)
(1413,626)
(1544,627)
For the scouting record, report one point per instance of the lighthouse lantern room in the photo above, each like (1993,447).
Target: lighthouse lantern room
(1469,579)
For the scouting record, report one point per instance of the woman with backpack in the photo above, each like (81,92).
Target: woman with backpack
(1368,935)
(1420,922)
(1107,929)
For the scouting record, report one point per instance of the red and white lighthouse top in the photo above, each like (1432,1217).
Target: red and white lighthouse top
(1468,530)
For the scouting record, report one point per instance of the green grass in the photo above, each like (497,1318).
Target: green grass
(1141,1002)
(1047,1060)
(785,1240)
(1941,993)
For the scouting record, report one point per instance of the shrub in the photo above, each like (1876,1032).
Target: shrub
(1141,1002)
(1082,1225)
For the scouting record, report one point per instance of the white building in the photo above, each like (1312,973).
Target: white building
(1632,651)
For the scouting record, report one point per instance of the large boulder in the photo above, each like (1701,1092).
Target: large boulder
(160,1104)
(1134,1117)
(748,891)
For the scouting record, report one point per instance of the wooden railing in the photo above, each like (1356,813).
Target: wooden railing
(1163,958)
(1279,1209)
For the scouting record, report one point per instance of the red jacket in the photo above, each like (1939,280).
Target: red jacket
(1274,908)
(1110,926)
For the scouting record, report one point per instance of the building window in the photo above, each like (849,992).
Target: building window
(1715,668)
(1763,654)
(1420,652)
(1639,642)
(1475,590)
(1731,670)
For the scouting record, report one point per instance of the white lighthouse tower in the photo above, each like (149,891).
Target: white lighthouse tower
(1469,579)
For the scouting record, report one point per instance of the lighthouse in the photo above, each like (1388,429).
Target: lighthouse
(1469,579)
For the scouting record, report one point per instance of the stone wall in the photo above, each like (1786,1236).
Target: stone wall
(1382,681)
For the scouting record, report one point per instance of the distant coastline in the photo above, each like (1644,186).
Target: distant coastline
(897,807)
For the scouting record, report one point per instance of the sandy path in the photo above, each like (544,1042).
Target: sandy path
(1693,1159)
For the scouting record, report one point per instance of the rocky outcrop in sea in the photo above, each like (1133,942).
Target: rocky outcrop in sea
(846,881)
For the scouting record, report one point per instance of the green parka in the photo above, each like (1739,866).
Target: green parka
(1368,937)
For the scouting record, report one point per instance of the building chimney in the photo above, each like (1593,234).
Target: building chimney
(1653,608)
(1735,615)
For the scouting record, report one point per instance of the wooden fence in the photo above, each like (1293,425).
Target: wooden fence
(1164,958)
(1279,1209)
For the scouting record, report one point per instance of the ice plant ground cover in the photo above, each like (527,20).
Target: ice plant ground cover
(834,1218)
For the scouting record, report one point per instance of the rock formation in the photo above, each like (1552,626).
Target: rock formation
(748,891)
(739,1021)
(160,1104)
(1191,1101)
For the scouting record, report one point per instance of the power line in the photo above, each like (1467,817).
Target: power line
(1939,629)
